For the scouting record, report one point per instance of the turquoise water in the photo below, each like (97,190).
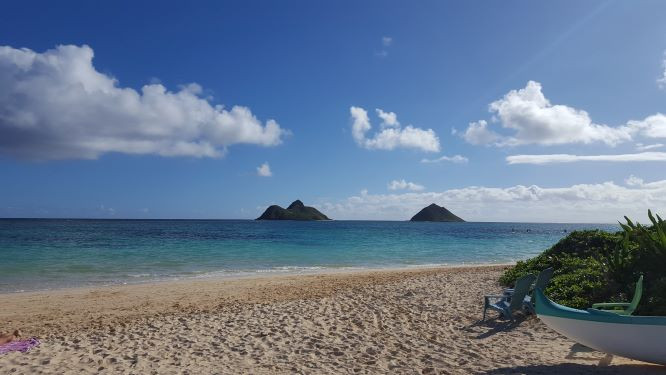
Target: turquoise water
(47,254)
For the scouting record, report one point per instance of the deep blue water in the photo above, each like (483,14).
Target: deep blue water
(46,254)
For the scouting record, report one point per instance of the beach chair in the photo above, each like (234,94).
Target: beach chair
(541,282)
(623,308)
(507,304)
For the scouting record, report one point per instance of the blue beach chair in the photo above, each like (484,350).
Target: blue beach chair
(541,282)
(506,304)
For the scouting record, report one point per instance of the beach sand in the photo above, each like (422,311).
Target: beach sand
(421,321)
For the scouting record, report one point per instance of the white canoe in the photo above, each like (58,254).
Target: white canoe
(637,337)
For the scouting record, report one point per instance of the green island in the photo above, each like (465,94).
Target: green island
(436,213)
(296,211)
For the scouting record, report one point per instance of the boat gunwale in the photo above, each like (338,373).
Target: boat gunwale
(544,306)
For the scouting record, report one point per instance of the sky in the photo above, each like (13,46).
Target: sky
(499,111)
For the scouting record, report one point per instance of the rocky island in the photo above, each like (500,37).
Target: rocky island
(296,211)
(436,213)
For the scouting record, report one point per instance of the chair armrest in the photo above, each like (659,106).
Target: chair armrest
(488,298)
(610,304)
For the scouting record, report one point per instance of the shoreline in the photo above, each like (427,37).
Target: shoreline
(243,275)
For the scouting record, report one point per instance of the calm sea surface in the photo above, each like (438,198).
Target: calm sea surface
(47,254)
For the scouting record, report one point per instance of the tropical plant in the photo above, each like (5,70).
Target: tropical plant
(597,266)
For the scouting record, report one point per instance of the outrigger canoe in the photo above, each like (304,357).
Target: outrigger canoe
(637,337)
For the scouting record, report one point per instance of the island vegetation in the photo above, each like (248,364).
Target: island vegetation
(296,211)
(436,213)
(595,266)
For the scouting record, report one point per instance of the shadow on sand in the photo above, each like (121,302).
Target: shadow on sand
(495,326)
(600,364)
(574,368)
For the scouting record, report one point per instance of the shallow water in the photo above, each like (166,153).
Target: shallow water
(46,254)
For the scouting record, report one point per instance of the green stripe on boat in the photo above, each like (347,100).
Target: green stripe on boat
(545,306)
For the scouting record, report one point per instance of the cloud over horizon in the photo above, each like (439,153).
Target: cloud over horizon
(56,105)
(391,135)
(605,202)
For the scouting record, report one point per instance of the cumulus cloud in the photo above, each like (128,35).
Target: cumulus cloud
(598,202)
(651,127)
(567,158)
(387,41)
(56,105)
(404,185)
(389,119)
(477,133)
(453,159)
(634,181)
(360,124)
(393,136)
(264,170)
(534,120)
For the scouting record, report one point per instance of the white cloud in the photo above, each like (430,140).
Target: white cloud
(404,185)
(477,133)
(567,158)
(389,119)
(360,124)
(387,41)
(264,170)
(599,202)
(535,120)
(642,147)
(634,181)
(56,105)
(661,81)
(390,138)
(453,159)
(651,127)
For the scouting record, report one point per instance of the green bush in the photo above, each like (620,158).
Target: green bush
(597,266)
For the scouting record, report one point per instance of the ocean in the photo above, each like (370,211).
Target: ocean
(44,254)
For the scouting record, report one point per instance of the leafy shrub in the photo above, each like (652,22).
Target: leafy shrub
(579,244)
(646,248)
(597,266)
(577,281)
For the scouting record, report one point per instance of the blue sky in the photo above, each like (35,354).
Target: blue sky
(248,104)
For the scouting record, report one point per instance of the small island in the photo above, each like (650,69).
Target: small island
(296,211)
(436,213)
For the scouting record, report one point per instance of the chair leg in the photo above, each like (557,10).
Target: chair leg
(508,314)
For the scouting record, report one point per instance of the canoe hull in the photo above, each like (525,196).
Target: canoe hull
(636,337)
(641,342)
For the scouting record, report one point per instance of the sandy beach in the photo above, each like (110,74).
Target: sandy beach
(420,321)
